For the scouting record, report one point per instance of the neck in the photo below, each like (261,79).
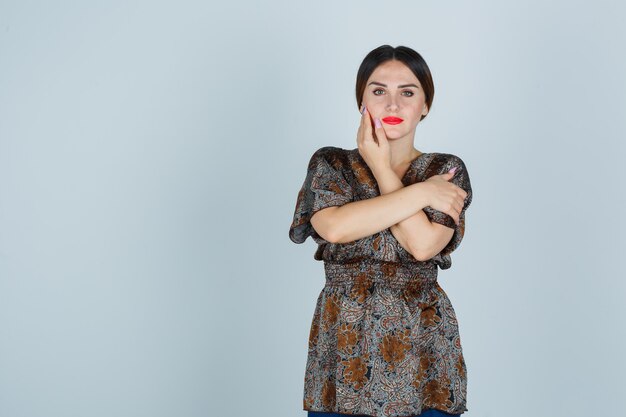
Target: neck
(402,152)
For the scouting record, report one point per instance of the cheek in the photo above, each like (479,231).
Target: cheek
(417,108)
(374,106)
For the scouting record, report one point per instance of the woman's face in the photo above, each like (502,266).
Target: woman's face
(393,91)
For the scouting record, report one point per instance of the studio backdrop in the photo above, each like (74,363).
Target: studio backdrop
(150,158)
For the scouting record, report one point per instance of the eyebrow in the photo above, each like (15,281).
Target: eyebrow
(400,86)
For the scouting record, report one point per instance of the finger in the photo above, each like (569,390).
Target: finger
(367,126)
(454,213)
(462,195)
(361,131)
(458,206)
(448,175)
(379,130)
(460,200)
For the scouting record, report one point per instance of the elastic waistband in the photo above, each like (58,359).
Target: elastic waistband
(390,274)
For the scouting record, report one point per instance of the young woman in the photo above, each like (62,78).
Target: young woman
(384,340)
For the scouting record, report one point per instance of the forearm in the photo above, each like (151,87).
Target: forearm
(363,218)
(412,232)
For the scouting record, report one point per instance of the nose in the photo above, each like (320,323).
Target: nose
(391,103)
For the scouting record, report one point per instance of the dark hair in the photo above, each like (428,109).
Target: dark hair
(404,54)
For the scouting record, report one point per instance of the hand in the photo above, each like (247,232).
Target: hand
(446,196)
(375,151)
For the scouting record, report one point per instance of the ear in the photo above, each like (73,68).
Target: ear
(425,110)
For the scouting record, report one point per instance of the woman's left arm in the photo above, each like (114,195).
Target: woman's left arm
(416,234)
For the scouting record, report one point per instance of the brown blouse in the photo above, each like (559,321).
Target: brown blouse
(384,339)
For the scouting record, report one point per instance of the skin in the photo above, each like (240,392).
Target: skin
(388,150)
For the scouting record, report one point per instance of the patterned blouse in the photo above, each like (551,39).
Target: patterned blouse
(384,339)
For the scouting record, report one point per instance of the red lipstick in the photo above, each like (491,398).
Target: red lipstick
(392,120)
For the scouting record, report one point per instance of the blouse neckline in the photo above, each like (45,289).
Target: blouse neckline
(412,164)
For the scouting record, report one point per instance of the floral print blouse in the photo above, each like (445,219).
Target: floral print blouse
(384,339)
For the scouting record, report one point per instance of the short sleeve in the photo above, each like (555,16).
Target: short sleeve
(443,164)
(324,186)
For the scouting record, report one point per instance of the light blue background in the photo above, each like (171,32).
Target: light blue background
(150,157)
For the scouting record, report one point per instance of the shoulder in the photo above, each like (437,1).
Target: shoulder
(443,158)
(443,162)
(329,151)
(336,157)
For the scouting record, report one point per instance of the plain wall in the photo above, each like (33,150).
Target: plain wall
(150,158)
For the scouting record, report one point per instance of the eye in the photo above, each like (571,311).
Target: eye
(378,89)
(411,94)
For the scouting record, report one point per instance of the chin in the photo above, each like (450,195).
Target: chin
(394,138)
(395,135)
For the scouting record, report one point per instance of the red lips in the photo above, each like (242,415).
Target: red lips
(392,120)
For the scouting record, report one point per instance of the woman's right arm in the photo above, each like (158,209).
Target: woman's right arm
(362,218)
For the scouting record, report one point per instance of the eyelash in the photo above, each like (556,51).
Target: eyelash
(380,89)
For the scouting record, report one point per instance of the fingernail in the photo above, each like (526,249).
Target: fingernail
(453,170)
(363,111)
(377,123)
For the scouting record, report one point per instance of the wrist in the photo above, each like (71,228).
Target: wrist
(421,192)
(380,168)
(383,173)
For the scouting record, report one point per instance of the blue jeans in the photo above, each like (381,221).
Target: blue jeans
(427,413)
